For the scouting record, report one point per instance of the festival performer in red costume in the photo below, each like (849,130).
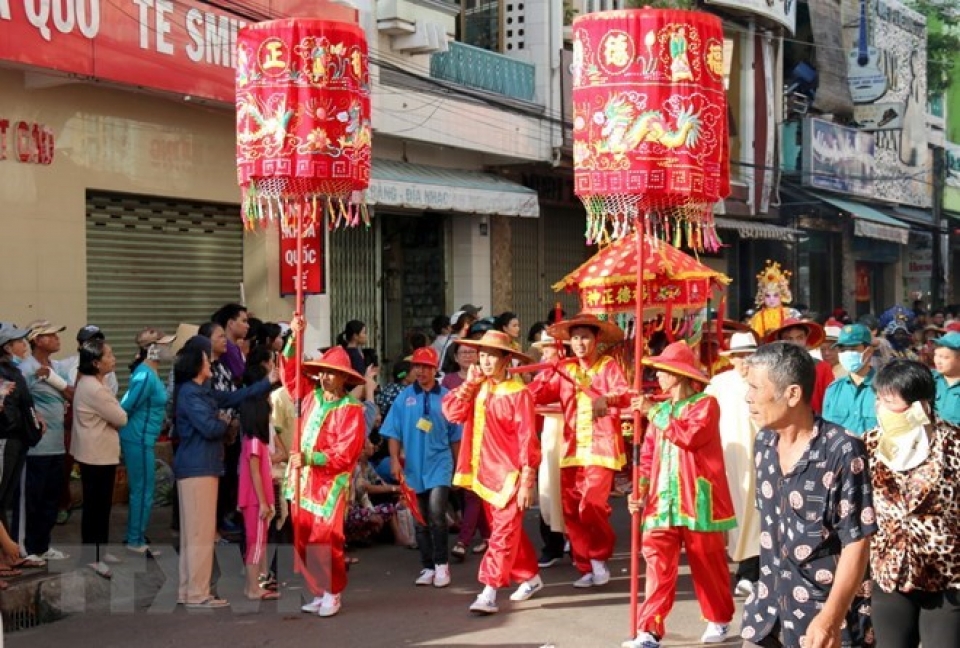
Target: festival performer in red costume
(684,497)
(330,446)
(591,390)
(499,457)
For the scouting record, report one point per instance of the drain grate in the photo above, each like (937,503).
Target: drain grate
(21,619)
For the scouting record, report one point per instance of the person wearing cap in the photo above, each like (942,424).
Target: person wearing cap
(334,433)
(851,401)
(69,364)
(145,403)
(915,472)
(829,354)
(737,432)
(591,390)
(816,510)
(946,360)
(201,427)
(422,445)
(498,461)
(684,499)
(44,470)
(20,426)
(807,335)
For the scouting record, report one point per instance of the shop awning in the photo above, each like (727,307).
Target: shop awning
(757,230)
(869,222)
(417,186)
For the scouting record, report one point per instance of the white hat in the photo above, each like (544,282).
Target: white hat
(744,343)
(832,333)
(455,317)
(546,340)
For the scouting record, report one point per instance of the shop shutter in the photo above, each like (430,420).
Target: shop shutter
(564,248)
(528,301)
(355,280)
(154,261)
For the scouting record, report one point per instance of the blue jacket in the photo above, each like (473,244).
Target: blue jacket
(145,404)
(200,431)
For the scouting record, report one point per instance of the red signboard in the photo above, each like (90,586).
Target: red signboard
(313,260)
(186,47)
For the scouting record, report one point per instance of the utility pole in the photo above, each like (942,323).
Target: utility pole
(939,262)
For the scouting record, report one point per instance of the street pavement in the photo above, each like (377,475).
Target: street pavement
(381,606)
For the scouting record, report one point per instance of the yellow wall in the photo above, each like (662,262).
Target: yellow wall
(108,140)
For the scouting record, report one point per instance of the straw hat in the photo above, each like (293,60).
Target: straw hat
(498,341)
(741,343)
(607,332)
(335,360)
(677,359)
(815,333)
(184,333)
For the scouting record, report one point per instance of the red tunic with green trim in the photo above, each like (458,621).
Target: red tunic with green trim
(682,464)
(499,449)
(331,443)
(587,442)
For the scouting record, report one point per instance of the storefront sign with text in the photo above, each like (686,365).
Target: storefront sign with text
(26,142)
(313,260)
(180,46)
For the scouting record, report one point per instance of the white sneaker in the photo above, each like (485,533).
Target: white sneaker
(329,605)
(442,576)
(527,589)
(643,640)
(715,633)
(312,606)
(601,575)
(584,581)
(484,605)
(54,554)
(744,588)
(426,577)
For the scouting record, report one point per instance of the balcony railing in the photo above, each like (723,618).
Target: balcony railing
(482,69)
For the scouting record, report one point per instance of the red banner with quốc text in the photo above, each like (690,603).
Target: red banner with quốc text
(313,260)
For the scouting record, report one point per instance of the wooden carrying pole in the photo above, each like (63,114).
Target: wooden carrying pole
(639,345)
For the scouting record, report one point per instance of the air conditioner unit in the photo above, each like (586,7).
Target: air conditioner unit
(427,38)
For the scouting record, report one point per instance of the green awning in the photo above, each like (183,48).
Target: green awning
(417,186)
(870,222)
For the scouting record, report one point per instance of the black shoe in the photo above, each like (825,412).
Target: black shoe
(547,560)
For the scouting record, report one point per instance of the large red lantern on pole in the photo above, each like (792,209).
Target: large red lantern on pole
(650,147)
(303,137)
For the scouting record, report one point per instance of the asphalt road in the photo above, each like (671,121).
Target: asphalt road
(381,606)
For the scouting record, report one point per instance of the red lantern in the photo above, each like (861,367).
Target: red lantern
(303,119)
(650,122)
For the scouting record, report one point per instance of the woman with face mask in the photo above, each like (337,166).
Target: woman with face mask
(145,404)
(915,470)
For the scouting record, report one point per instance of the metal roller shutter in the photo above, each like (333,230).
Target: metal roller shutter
(154,261)
(564,248)
(355,280)
(526,273)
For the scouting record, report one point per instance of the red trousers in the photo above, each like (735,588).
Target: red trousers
(318,547)
(510,555)
(706,552)
(585,491)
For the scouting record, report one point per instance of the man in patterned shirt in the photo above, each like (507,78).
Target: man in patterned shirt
(816,514)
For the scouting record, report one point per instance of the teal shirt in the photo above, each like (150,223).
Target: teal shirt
(948,399)
(850,405)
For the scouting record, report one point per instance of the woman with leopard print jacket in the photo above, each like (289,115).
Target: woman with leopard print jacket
(915,469)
